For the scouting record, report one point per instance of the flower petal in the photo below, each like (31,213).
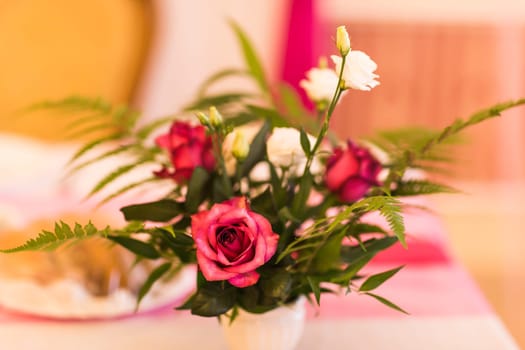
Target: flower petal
(243,280)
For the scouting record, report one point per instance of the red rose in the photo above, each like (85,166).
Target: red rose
(189,147)
(232,241)
(350,172)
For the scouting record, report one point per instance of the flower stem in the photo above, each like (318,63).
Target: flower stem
(327,116)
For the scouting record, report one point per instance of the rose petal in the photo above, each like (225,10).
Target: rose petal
(243,280)
(338,173)
(210,270)
(354,189)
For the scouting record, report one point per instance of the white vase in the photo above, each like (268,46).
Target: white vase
(279,329)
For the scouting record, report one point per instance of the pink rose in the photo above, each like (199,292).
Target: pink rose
(351,172)
(189,147)
(232,241)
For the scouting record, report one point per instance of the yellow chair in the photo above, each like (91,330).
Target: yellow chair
(50,49)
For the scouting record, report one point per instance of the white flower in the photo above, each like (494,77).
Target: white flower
(283,147)
(320,84)
(358,72)
(342,40)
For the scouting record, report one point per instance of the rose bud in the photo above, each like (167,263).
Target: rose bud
(189,147)
(350,172)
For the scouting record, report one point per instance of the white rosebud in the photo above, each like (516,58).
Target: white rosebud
(342,40)
(358,72)
(240,147)
(320,84)
(215,117)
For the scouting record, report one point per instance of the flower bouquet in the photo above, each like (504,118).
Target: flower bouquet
(266,202)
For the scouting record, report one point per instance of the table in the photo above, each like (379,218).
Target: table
(445,314)
(447,310)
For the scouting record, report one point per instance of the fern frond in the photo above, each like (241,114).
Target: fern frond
(110,153)
(322,230)
(74,103)
(459,124)
(420,187)
(127,188)
(89,129)
(124,169)
(91,145)
(62,233)
(147,129)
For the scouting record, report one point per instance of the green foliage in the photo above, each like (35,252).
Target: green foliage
(219,76)
(257,150)
(317,236)
(160,211)
(376,280)
(178,242)
(420,187)
(196,192)
(219,101)
(135,246)
(63,233)
(212,299)
(154,276)
(386,302)
(250,58)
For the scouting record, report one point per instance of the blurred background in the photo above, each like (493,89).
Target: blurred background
(438,60)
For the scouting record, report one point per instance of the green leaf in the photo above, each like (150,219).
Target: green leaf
(296,113)
(127,188)
(137,247)
(154,276)
(217,101)
(328,255)
(47,240)
(159,211)
(360,228)
(180,243)
(147,129)
(276,284)
(214,78)
(115,174)
(263,204)
(420,187)
(376,280)
(257,151)
(387,303)
(372,246)
(213,299)
(74,103)
(89,129)
(196,191)
(392,213)
(276,119)
(250,57)
(110,153)
(90,145)
(299,201)
(315,285)
(239,119)
(343,277)
(305,143)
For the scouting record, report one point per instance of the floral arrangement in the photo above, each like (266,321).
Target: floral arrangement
(265,201)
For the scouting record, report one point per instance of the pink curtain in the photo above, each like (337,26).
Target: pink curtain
(300,51)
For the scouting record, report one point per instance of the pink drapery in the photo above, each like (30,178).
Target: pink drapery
(300,45)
